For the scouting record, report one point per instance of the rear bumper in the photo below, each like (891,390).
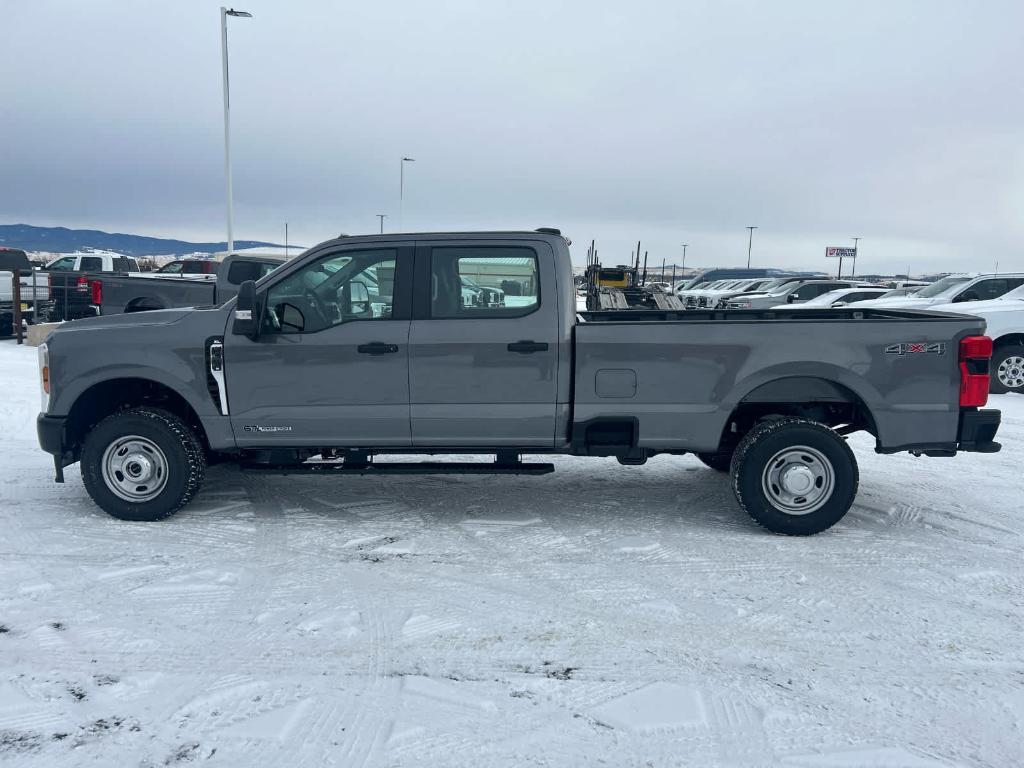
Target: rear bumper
(978,430)
(975,433)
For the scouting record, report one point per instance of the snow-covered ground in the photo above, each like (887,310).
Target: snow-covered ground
(603,615)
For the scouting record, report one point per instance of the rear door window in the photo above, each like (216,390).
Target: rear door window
(91,264)
(483,282)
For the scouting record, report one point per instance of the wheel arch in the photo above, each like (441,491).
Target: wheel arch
(819,398)
(1009,339)
(108,396)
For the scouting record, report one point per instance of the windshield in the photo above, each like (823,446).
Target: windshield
(941,286)
(783,287)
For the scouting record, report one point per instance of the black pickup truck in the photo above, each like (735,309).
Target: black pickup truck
(146,291)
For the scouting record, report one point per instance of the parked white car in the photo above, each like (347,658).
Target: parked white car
(797,291)
(1005,326)
(838,298)
(956,289)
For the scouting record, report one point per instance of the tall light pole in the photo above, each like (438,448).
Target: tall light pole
(382,216)
(682,267)
(750,244)
(224,13)
(853,272)
(401,190)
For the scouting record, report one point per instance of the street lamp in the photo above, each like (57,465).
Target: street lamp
(750,244)
(382,216)
(854,272)
(224,13)
(401,190)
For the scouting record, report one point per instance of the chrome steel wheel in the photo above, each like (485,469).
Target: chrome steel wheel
(798,480)
(134,469)
(1011,372)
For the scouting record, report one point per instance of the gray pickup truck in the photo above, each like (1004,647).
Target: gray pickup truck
(369,345)
(148,291)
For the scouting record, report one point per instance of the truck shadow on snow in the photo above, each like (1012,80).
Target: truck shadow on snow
(668,492)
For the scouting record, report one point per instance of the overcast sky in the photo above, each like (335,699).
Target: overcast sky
(668,122)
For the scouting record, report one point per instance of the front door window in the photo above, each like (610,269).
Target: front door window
(340,288)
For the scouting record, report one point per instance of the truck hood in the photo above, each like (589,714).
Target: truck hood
(904,302)
(133,319)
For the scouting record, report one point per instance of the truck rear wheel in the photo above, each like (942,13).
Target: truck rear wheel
(794,476)
(1007,370)
(142,464)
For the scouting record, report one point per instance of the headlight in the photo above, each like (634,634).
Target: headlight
(44,376)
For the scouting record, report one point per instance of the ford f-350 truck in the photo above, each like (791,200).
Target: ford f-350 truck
(366,346)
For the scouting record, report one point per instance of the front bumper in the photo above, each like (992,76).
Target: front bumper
(50,430)
(53,439)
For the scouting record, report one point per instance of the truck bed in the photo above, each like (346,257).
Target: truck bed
(679,375)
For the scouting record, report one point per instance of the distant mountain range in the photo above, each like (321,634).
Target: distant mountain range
(64,240)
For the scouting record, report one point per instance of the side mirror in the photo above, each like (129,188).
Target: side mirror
(836,304)
(246,322)
(791,298)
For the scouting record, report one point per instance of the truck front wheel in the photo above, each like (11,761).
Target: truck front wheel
(794,476)
(142,464)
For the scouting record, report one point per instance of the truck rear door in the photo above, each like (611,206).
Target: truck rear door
(483,346)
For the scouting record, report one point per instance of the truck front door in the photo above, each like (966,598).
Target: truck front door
(483,347)
(331,365)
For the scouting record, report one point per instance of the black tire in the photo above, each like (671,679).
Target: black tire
(719,461)
(1007,370)
(180,455)
(829,461)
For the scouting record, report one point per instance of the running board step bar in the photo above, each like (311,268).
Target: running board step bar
(401,468)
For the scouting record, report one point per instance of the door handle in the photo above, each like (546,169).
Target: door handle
(526,347)
(376,348)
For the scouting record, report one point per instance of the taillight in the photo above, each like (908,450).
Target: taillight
(82,286)
(96,288)
(44,375)
(975,353)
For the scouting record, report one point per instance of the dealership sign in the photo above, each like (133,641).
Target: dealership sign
(832,252)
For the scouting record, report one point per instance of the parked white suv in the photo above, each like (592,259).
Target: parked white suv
(93,261)
(1004,318)
(956,289)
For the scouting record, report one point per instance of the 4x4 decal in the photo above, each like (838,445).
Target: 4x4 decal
(917,348)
